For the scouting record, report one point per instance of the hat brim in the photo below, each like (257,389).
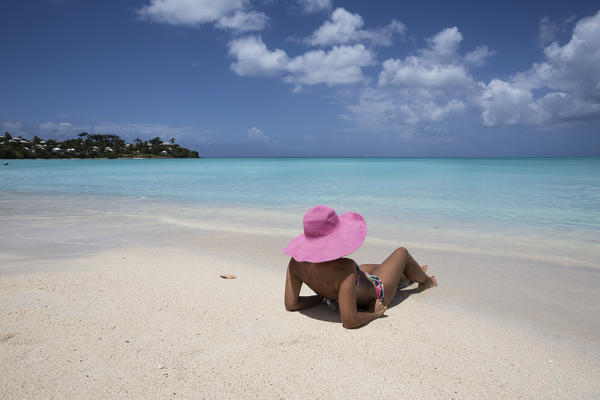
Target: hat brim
(345,239)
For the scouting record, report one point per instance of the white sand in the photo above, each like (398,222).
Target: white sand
(96,293)
(99,327)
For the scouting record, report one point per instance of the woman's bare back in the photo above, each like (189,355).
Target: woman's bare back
(326,278)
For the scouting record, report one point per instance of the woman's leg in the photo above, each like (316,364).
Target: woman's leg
(370,268)
(401,266)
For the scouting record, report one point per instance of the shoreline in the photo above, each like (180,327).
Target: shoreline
(557,246)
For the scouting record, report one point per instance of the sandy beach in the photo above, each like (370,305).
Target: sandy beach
(159,322)
(133,320)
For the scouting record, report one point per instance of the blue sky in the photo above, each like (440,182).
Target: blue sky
(308,77)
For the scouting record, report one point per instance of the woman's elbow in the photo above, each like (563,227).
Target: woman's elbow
(349,323)
(290,307)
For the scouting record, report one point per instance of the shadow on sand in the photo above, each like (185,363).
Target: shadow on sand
(322,311)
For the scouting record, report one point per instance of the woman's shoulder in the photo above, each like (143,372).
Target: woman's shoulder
(337,262)
(346,263)
(340,263)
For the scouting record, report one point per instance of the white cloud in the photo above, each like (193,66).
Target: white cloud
(189,12)
(564,87)
(439,65)
(56,127)
(254,59)
(342,28)
(12,126)
(504,104)
(244,21)
(345,27)
(443,47)
(429,87)
(383,36)
(340,65)
(257,135)
(550,29)
(310,6)
(478,57)
(225,14)
(389,109)
(416,72)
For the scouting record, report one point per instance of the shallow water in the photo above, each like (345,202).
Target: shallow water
(542,207)
(549,192)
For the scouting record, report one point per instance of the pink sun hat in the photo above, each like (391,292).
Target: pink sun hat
(327,236)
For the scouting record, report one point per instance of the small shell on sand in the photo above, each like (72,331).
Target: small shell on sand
(228,276)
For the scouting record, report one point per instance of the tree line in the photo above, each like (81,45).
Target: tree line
(91,146)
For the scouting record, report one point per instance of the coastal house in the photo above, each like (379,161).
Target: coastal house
(57,150)
(163,153)
(108,149)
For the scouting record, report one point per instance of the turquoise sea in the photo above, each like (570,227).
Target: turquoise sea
(545,210)
(548,193)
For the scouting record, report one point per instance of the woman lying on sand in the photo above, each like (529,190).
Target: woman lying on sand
(317,261)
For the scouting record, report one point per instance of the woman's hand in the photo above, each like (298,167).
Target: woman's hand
(379,308)
(351,318)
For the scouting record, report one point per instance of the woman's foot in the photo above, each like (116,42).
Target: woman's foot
(404,283)
(429,283)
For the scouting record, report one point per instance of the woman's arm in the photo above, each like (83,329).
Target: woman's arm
(293,300)
(347,302)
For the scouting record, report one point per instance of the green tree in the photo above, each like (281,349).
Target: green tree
(156,145)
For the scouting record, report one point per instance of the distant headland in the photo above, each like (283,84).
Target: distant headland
(91,146)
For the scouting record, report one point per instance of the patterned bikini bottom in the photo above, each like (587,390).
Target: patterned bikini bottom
(376,282)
